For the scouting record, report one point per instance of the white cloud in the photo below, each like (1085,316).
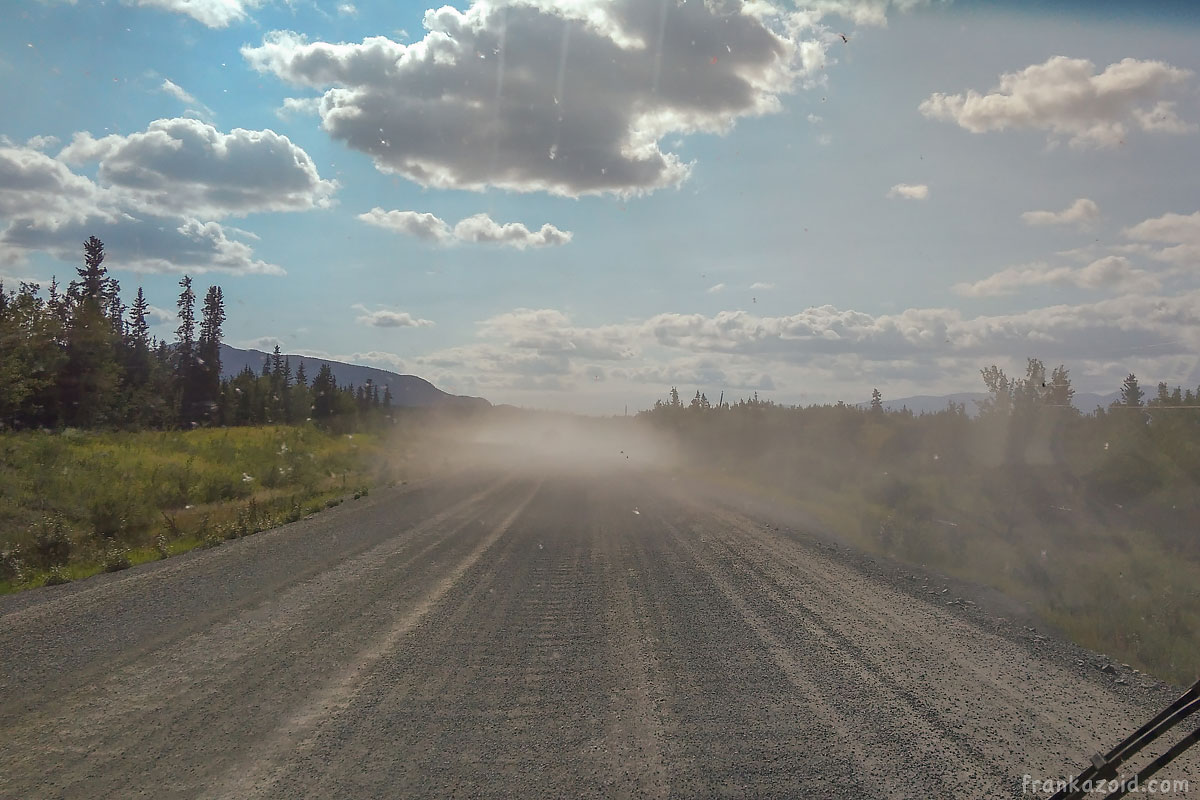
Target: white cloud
(187,166)
(375,358)
(1068,98)
(42,142)
(1110,272)
(213,13)
(762,285)
(298,106)
(569,98)
(265,344)
(424,226)
(716,288)
(1180,231)
(481,229)
(145,243)
(178,92)
(347,10)
(161,316)
(46,207)
(386,318)
(859,12)
(39,186)
(543,349)
(477,229)
(909,191)
(195,107)
(1083,212)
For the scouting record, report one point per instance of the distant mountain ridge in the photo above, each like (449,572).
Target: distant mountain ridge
(407,390)
(1087,402)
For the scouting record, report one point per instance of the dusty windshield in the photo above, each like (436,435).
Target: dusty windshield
(598,397)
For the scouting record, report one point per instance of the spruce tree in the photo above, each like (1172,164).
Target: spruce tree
(1131,393)
(208,352)
(89,378)
(185,352)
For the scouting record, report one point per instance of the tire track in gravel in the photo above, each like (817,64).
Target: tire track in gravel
(505,689)
(937,644)
(221,684)
(735,724)
(830,671)
(259,767)
(1038,715)
(636,733)
(1023,713)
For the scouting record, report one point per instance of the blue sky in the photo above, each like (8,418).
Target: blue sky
(771,209)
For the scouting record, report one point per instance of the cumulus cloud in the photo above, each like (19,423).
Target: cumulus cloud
(477,229)
(909,191)
(1082,212)
(188,166)
(482,229)
(263,343)
(762,285)
(716,288)
(1067,98)
(1181,232)
(298,106)
(212,13)
(1110,272)
(386,318)
(146,243)
(160,316)
(46,207)
(42,142)
(567,98)
(544,348)
(35,184)
(422,225)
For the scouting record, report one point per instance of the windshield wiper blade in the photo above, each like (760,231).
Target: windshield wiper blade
(1105,766)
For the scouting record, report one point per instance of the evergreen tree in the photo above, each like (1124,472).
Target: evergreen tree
(30,359)
(89,378)
(301,375)
(1131,393)
(138,358)
(876,401)
(324,386)
(208,354)
(185,352)
(387,396)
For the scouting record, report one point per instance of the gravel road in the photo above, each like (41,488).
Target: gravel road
(539,636)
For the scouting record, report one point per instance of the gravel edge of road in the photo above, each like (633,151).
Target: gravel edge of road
(982,605)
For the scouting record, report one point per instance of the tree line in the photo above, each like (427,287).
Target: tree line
(1131,449)
(81,358)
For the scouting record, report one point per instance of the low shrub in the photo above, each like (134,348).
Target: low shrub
(116,559)
(52,542)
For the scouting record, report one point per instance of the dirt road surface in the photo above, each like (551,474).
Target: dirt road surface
(539,636)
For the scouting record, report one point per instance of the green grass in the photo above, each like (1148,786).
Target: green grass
(70,501)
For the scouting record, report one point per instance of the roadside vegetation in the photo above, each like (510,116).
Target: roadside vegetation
(1090,519)
(118,448)
(76,503)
